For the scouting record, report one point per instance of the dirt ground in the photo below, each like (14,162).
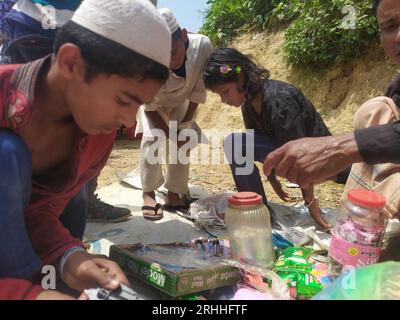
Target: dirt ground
(336,93)
(213,179)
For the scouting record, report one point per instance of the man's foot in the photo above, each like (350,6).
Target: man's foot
(151,209)
(100,211)
(175,203)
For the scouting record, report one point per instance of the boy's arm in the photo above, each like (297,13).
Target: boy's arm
(157,122)
(199,93)
(81,270)
(18,289)
(50,239)
(191,110)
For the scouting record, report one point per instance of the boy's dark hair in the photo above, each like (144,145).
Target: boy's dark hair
(375,5)
(104,56)
(177,34)
(225,65)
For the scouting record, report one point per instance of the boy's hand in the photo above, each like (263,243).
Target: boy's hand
(84,271)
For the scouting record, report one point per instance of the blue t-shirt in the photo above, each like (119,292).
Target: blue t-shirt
(27,20)
(5,7)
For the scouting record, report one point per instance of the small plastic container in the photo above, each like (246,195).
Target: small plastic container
(249,228)
(359,232)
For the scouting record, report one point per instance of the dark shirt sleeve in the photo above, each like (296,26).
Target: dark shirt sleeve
(393,91)
(379,144)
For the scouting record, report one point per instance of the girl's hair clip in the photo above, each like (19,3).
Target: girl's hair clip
(226,69)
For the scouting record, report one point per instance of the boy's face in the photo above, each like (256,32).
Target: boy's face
(389,24)
(106,102)
(230,94)
(178,51)
(109,102)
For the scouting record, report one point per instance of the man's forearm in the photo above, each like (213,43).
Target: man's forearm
(345,146)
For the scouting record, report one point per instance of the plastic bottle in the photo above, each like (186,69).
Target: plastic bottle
(249,228)
(359,232)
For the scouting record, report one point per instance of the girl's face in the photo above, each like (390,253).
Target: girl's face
(389,25)
(230,94)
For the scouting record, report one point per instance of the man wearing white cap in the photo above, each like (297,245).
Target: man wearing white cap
(58,118)
(177,101)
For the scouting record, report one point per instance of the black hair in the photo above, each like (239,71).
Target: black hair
(225,65)
(177,34)
(375,5)
(104,56)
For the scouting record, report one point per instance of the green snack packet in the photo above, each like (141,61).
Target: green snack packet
(291,280)
(302,285)
(294,268)
(307,285)
(296,258)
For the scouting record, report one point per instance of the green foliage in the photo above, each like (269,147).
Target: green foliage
(323,34)
(225,17)
(315,34)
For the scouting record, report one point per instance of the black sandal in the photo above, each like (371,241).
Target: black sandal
(181,208)
(153,217)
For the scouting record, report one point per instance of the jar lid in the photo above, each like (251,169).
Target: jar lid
(367,198)
(245,199)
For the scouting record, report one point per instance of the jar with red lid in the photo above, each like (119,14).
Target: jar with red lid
(249,229)
(360,228)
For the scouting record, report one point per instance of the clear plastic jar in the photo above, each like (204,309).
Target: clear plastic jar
(249,228)
(359,231)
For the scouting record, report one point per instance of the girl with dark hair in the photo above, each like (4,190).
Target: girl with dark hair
(277,112)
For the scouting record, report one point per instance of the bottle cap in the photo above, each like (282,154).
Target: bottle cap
(245,199)
(367,198)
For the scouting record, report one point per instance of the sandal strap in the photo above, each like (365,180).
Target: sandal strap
(175,208)
(150,208)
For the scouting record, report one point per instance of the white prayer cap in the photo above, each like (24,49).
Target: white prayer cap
(170,19)
(135,24)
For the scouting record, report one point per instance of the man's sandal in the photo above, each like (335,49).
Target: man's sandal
(180,208)
(153,217)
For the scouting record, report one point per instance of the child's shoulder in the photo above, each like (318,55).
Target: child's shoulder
(200,45)
(200,38)
(280,87)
